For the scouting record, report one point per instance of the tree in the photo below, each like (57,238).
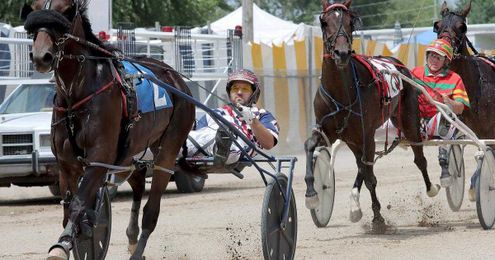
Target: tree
(410,13)
(143,13)
(481,11)
(9,11)
(169,12)
(374,14)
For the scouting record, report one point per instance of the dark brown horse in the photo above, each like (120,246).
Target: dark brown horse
(349,107)
(90,121)
(476,73)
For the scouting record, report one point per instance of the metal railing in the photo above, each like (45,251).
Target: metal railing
(202,57)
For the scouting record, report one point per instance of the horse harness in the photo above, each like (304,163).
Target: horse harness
(128,95)
(73,109)
(378,80)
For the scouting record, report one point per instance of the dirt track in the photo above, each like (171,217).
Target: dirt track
(222,222)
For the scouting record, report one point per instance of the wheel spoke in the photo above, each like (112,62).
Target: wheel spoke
(289,241)
(273,229)
(275,246)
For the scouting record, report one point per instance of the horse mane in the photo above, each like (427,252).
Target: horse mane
(353,13)
(86,24)
(354,17)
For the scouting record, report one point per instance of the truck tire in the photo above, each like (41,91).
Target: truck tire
(54,189)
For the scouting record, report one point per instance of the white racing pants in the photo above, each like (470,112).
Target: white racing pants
(437,126)
(205,138)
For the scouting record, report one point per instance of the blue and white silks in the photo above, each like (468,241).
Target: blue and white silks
(150,96)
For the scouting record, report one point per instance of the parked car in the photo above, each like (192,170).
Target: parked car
(26,158)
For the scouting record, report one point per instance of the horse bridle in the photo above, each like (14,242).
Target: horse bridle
(59,38)
(330,41)
(443,32)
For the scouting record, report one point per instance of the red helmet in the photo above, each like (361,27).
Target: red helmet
(441,47)
(246,76)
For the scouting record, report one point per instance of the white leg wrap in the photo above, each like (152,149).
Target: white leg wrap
(312,202)
(355,214)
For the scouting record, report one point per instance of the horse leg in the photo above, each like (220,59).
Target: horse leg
(82,205)
(151,210)
(366,165)
(371,182)
(410,124)
(68,176)
(137,182)
(355,213)
(421,163)
(68,187)
(312,200)
(175,135)
(355,207)
(80,212)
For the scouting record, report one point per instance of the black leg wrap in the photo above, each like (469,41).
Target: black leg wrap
(65,245)
(82,217)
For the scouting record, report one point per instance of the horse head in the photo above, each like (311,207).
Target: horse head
(452,27)
(49,22)
(337,24)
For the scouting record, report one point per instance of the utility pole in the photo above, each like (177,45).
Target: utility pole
(247,21)
(435,10)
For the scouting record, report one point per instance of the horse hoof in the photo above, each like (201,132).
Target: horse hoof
(57,254)
(379,226)
(312,202)
(132,248)
(433,190)
(472,195)
(378,220)
(355,215)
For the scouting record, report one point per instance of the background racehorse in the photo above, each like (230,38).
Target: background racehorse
(348,106)
(477,74)
(90,121)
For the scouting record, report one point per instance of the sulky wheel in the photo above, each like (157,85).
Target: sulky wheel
(324,184)
(278,242)
(455,192)
(188,182)
(485,189)
(96,247)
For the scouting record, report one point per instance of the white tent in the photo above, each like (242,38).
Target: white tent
(266,27)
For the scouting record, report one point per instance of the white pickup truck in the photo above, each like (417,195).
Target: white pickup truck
(26,158)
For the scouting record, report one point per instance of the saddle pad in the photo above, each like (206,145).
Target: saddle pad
(392,82)
(150,96)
